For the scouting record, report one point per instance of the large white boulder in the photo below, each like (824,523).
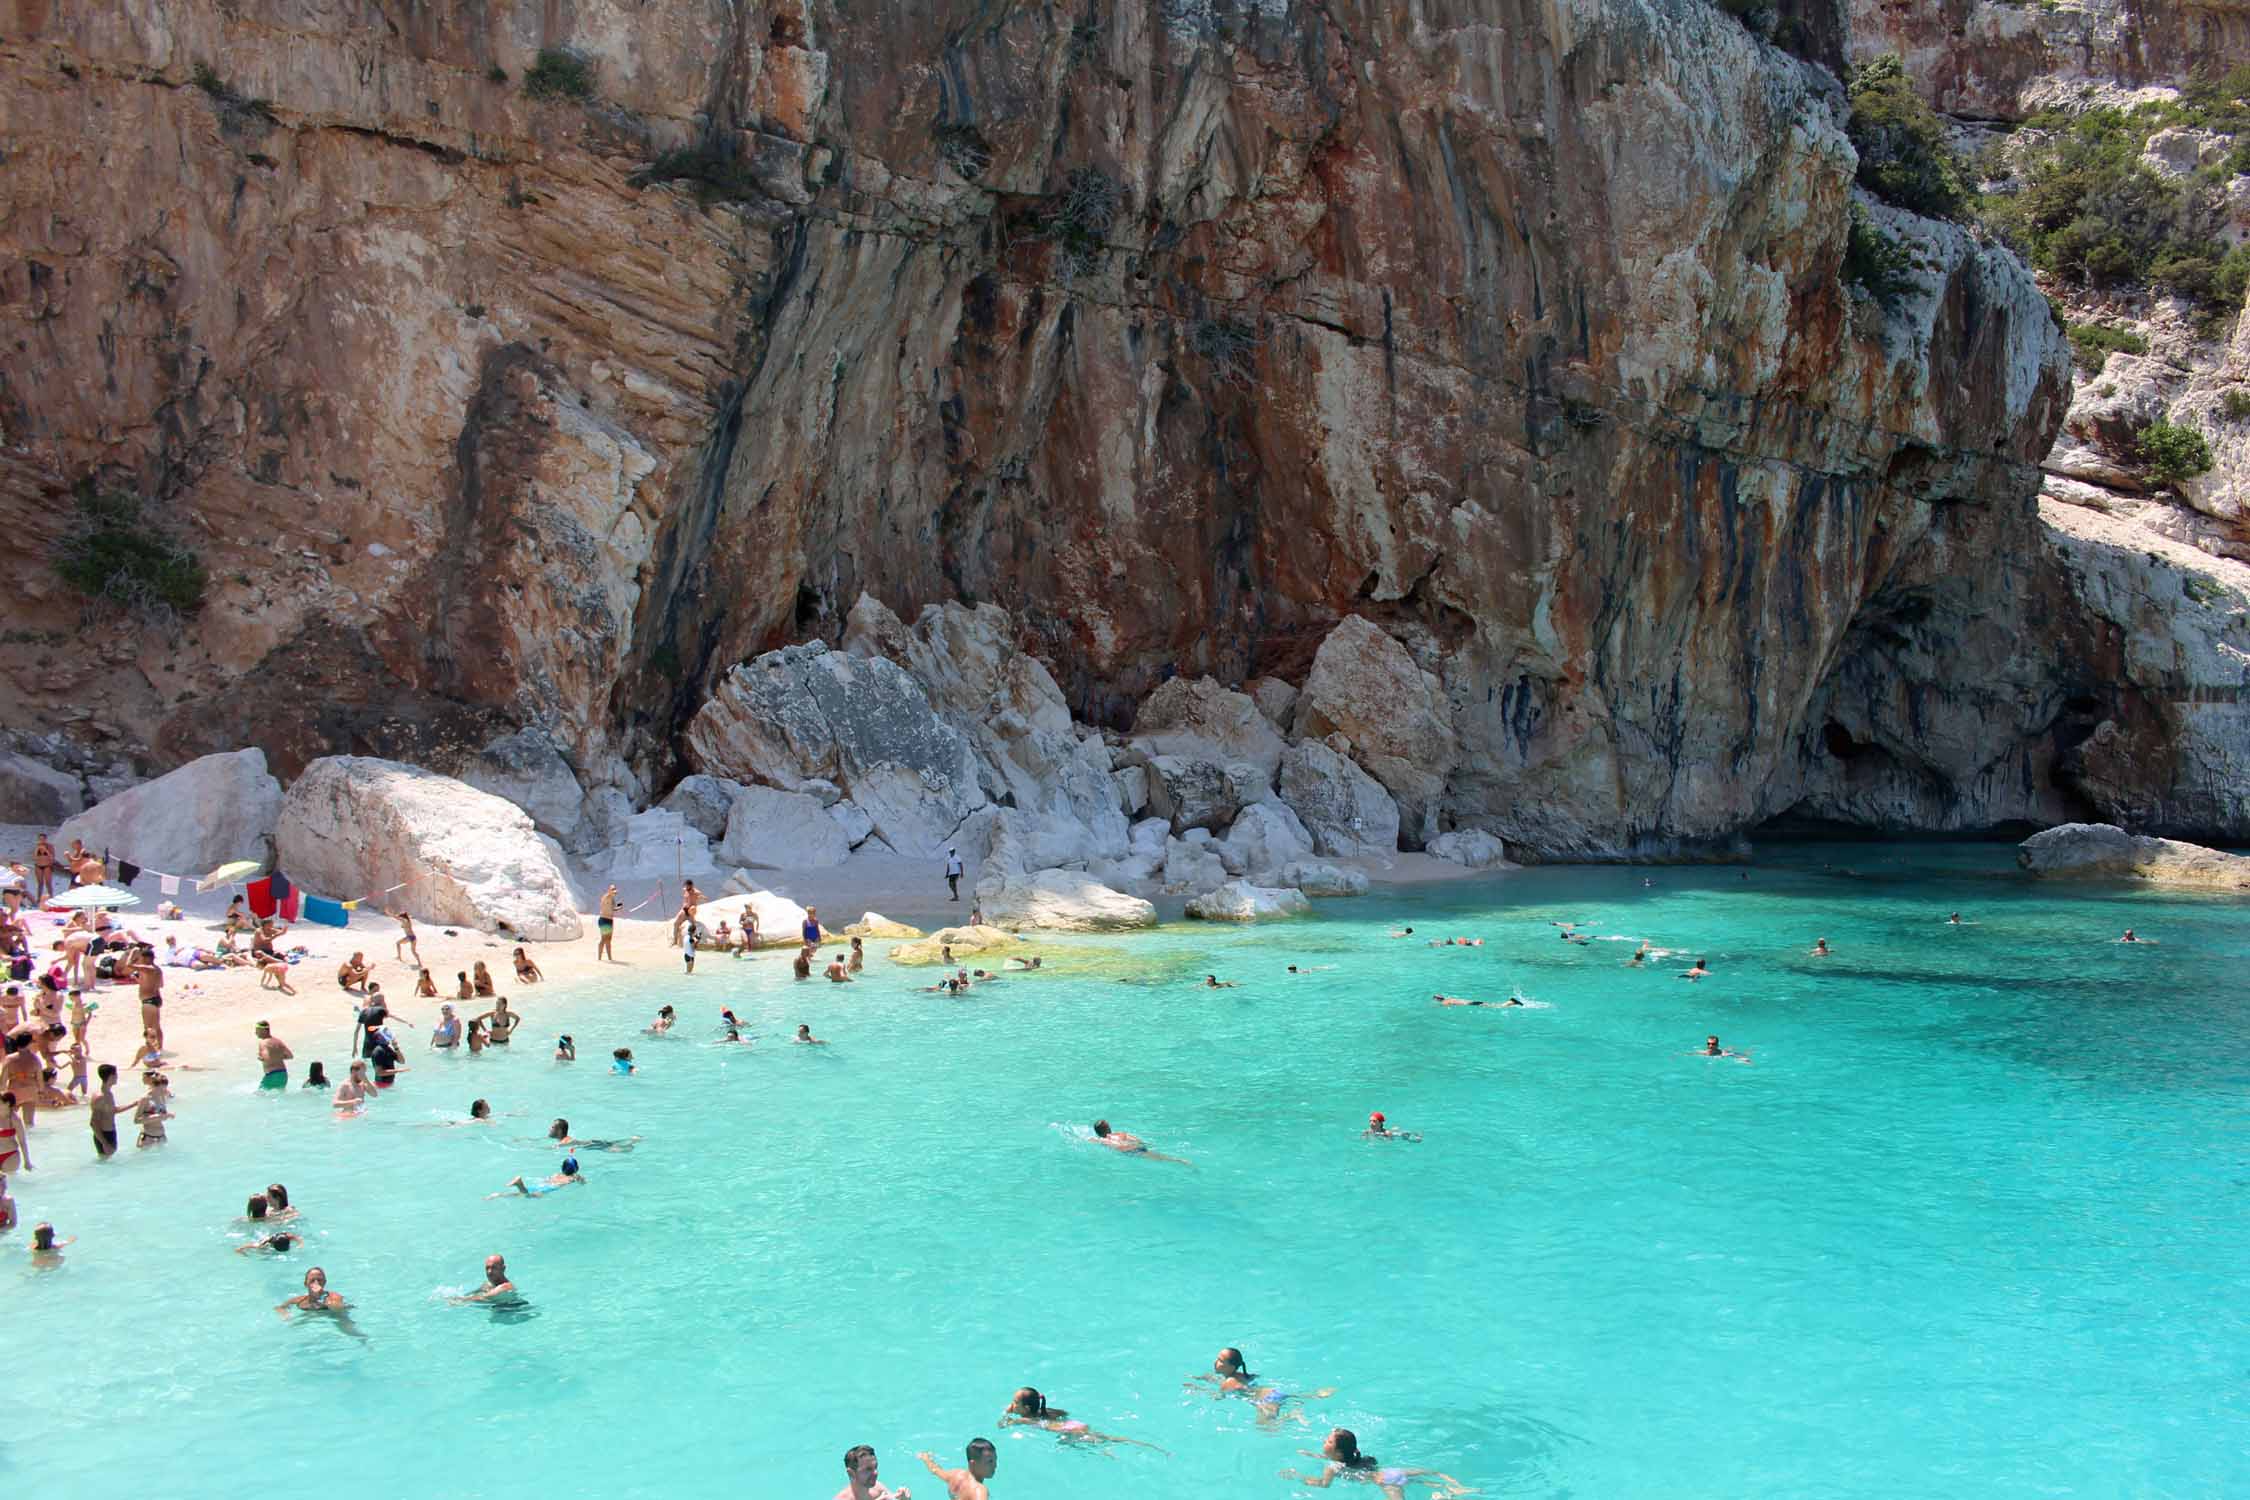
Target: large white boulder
(2104,851)
(32,792)
(705,801)
(353,824)
(1197,718)
(1364,686)
(1319,878)
(1240,901)
(1191,867)
(527,769)
(1471,848)
(656,845)
(213,809)
(808,714)
(1062,901)
(1265,837)
(776,830)
(1347,812)
(781,921)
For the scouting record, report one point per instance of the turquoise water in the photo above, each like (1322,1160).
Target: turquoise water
(1972,1220)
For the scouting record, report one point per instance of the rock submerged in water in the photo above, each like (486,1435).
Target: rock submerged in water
(1240,901)
(875,925)
(2103,850)
(352,824)
(962,940)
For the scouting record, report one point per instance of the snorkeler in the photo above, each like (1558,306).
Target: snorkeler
(1345,1461)
(1027,1408)
(568,1177)
(559,1133)
(1125,1143)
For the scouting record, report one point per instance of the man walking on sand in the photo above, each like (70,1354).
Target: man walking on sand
(953,873)
(606,925)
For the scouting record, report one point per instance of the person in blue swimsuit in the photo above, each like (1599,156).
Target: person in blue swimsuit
(1233,1378)
(1345,1461)
(569,1176)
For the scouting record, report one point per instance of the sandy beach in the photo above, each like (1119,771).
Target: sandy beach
(209,1015)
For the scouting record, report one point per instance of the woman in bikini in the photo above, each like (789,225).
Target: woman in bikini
(527,972)
(500,1020)
(1345,1461)
(1027,1408)
(481,981)
(43,868)
(15,1145)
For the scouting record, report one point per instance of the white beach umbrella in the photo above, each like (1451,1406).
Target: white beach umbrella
(94,895)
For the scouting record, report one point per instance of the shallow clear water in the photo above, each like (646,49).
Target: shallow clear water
(1972,1220)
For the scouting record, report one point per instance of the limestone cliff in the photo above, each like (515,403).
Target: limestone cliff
(1182,328)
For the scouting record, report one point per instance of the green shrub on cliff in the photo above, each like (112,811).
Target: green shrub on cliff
(1874,262)
(117,555)
(2172,453)
(558,73)
(1903,155)
(2093,343)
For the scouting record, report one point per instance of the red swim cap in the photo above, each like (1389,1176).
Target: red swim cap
(1376,1118)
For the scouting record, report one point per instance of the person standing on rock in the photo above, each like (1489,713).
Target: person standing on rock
(606,925)
(953,873)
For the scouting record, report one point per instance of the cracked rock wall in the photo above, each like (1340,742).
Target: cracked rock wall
(1181,330)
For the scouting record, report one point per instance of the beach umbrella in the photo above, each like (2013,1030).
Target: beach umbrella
(93,895)
(233,869)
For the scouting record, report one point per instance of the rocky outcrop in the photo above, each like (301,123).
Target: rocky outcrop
(214,809)
(1061,901)
(1195,718)
(527,769)
(706,802)
(32,792)
(769,829)
(1317,878)
(1240,901)
(1470,848)
(1513,332)
(656,846)
(2106,851)
(1365,687)
(780,921)
(1345,810)
(353,824)
(810,714)
(1264,838)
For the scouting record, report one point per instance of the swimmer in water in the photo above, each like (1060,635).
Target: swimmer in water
(1233,1378)
(1711,1048)
(1214,982)
(968,1483)
(1026,963)
(1402,932)
(1702,970)
(480,1113)
(316,1298)
(805,1038)
(2130,938)
(621,1061)
(664,1020)
(559,1133)
(1640,956)
(1820,948)
(518,1188)
(1125,1143)
(497,1287)
(1343,1460)
(1378,1129)
(566,1050)
(279,1243)
(1027,1408)
(1457,1000)
(46,1250)
(1953,920)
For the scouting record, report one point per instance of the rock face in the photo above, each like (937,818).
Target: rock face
(2104,850)
(1061,901)
(769,829)
(466,858)
(527,769)
(34,793)
(657,846)
(1512,332)
(214,809)
(1366,688)
(1240,901)
(1470,848)
(1195,718)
